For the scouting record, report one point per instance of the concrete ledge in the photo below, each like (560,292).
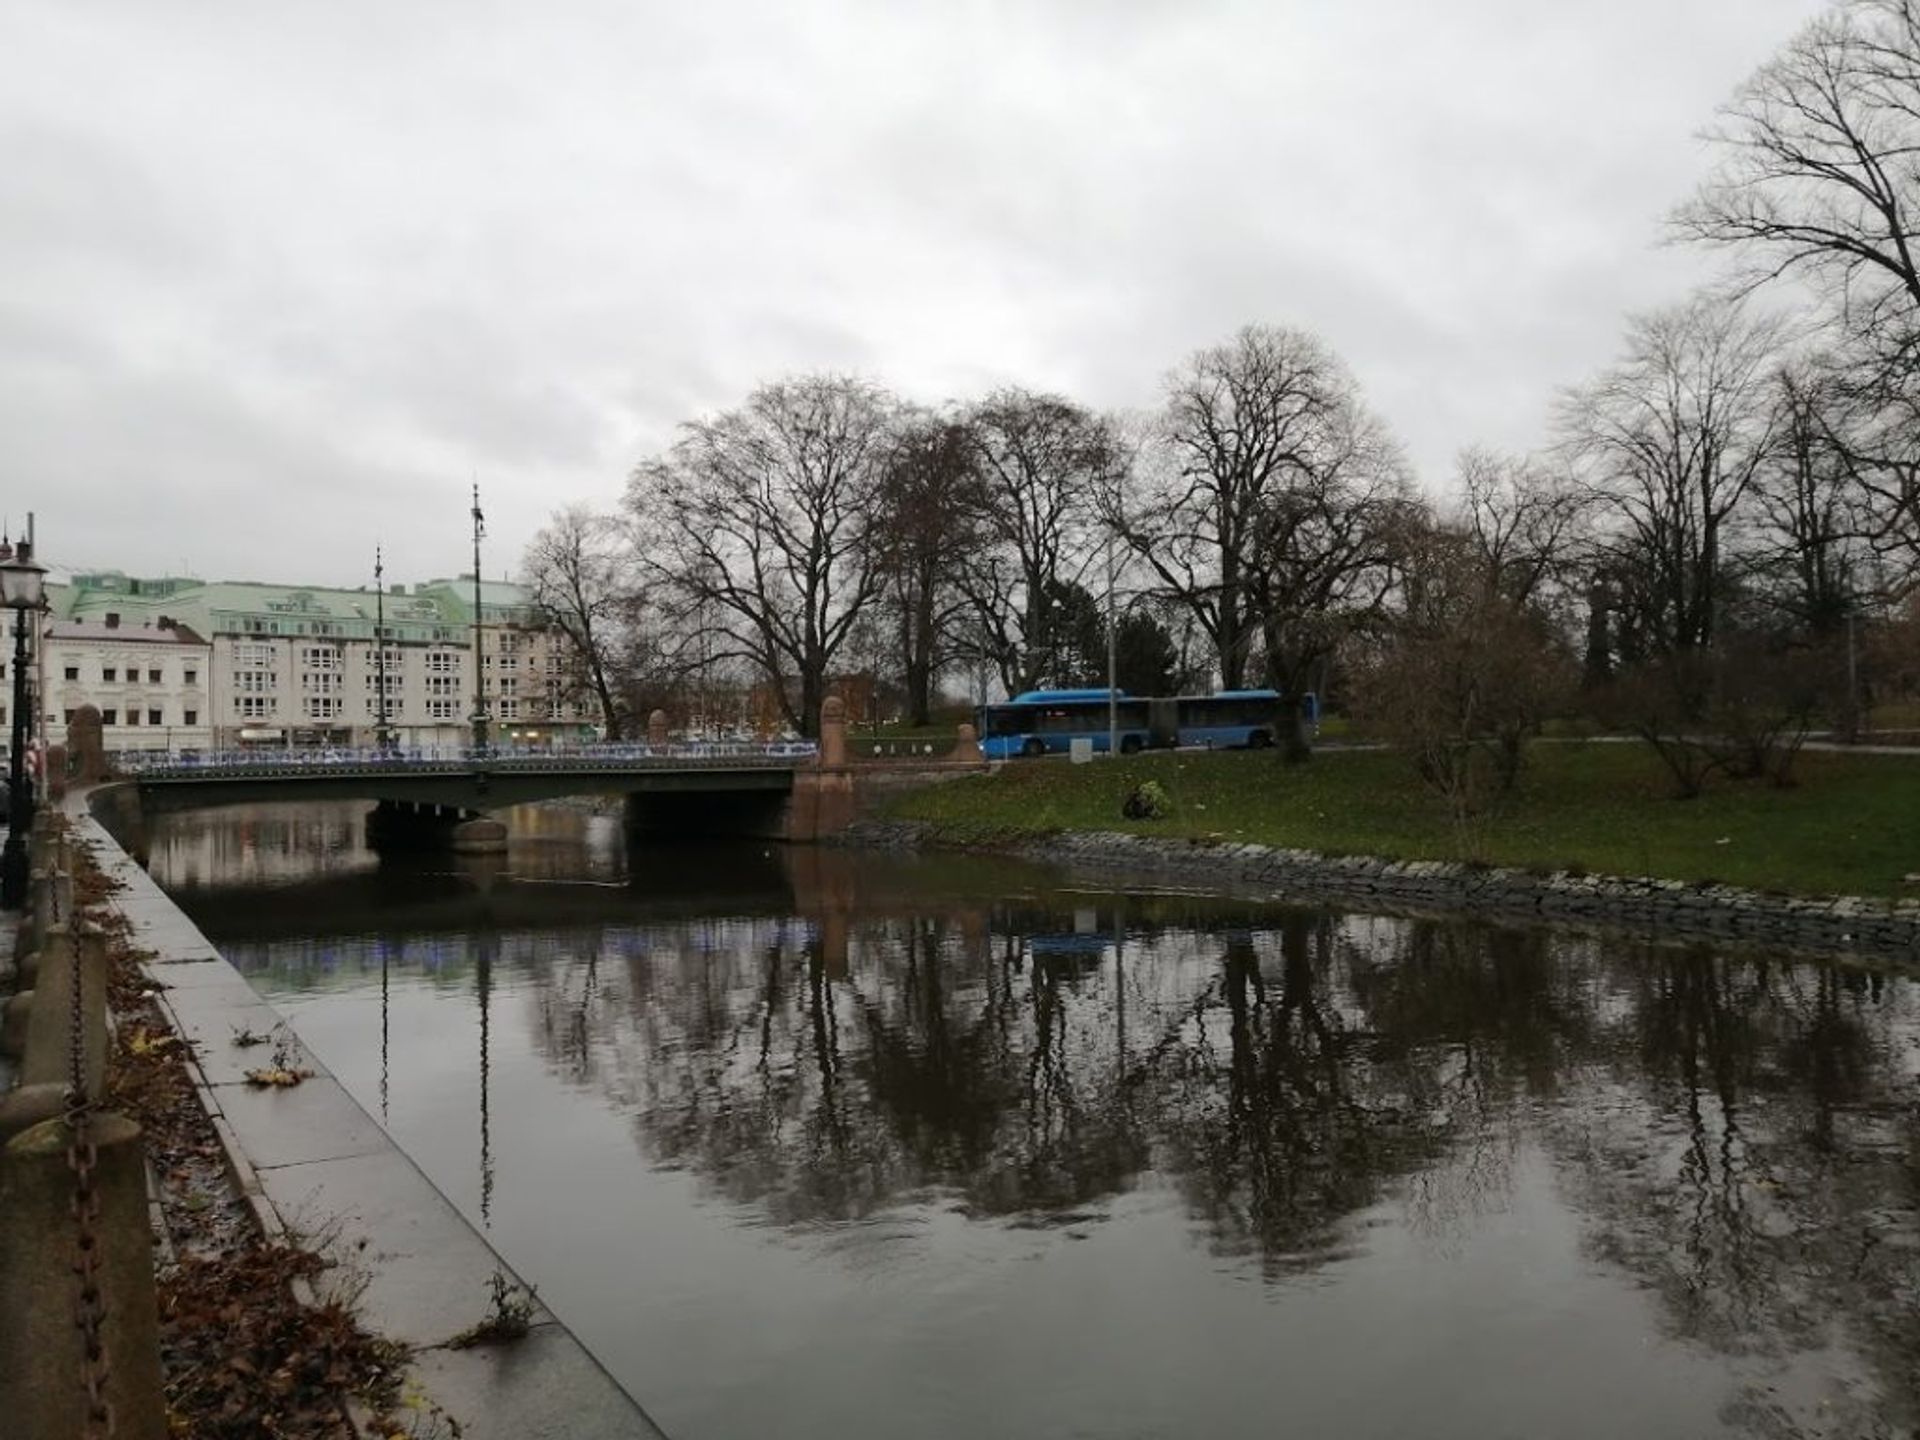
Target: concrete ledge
(310,1161)
(1664,909)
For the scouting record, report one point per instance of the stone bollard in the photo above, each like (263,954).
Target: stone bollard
(50,902)
(42,1366)
(27,1105)
(50,1024)
(14,1018)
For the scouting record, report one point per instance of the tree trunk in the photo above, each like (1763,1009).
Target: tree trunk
(1296,740)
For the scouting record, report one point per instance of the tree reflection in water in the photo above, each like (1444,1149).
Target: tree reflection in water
(1738,1133)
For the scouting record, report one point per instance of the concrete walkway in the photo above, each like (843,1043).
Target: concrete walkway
(310,1161)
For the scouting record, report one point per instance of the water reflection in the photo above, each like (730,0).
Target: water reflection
(826,1043)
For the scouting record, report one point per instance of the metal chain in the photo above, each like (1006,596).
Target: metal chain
(89,1312)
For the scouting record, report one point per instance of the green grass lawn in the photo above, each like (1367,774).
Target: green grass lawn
(1851,825)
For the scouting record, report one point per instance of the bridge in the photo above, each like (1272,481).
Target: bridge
(434,798)
(787,790)
(463,779)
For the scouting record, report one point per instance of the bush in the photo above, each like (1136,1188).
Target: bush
(1146,801)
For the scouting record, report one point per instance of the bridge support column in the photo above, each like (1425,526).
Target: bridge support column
(480,836)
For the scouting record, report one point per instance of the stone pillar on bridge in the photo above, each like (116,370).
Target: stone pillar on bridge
(966,746)
(657,728)
(823,800)
(833,733)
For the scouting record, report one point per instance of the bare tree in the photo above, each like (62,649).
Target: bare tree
(1466,674)
(1324,550)
(1668,443)
(1810,514)
(764,516)
(1817,182)
(1264,507)
(1524,518)
(1817,176)
(928,530)
(580,571)
(1242,421)
(1042,465)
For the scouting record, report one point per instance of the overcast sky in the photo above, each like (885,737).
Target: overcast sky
(278,281)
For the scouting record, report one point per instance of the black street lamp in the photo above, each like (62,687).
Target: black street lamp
(382,731)
(479,716)
(23,589)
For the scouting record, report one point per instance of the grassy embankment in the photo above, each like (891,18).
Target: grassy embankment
(1850,826)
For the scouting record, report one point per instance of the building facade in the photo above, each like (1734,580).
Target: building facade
(303,666)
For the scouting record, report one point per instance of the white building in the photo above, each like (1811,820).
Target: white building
(149,680)
(300,666)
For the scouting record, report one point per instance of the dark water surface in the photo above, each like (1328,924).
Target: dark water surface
(813,1144)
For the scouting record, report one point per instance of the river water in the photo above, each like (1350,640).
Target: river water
(803,1143)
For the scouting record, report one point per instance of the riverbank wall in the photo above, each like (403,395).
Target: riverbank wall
(309,1161)
(1873,930)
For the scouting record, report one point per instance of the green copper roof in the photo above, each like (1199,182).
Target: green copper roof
(231,607)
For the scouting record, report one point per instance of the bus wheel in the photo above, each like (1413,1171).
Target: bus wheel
(1034,746)
(1260,740)
(1129,744)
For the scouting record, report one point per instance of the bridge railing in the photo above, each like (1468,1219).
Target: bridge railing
(442,759)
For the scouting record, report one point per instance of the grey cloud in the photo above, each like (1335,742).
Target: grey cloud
(283,277)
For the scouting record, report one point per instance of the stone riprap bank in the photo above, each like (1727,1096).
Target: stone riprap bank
(1669,909)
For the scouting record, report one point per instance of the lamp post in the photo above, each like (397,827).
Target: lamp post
(382,731)
(1113,664)
(22,589)
(479,676)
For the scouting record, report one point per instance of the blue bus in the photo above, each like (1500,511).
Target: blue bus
(1235,719)
(1042,722)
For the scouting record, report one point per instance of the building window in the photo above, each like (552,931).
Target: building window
(253,707)
(66,717)
(319,657)
(323,707)
(189,717)
(133,716)
(109,717)
(255,657)
(326,683)
(109,673)
(443,684)
(153,677)
(509,709)
(443,710)
(443,662)
(509,685)
(153,717)
(73,672)
(254,682)
(192,677)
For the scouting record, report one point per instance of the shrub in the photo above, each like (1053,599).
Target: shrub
(1146,801)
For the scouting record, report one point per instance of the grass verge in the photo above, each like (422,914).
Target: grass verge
(1851,826)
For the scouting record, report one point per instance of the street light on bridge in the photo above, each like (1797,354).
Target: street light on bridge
(479,675)
(23,589)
